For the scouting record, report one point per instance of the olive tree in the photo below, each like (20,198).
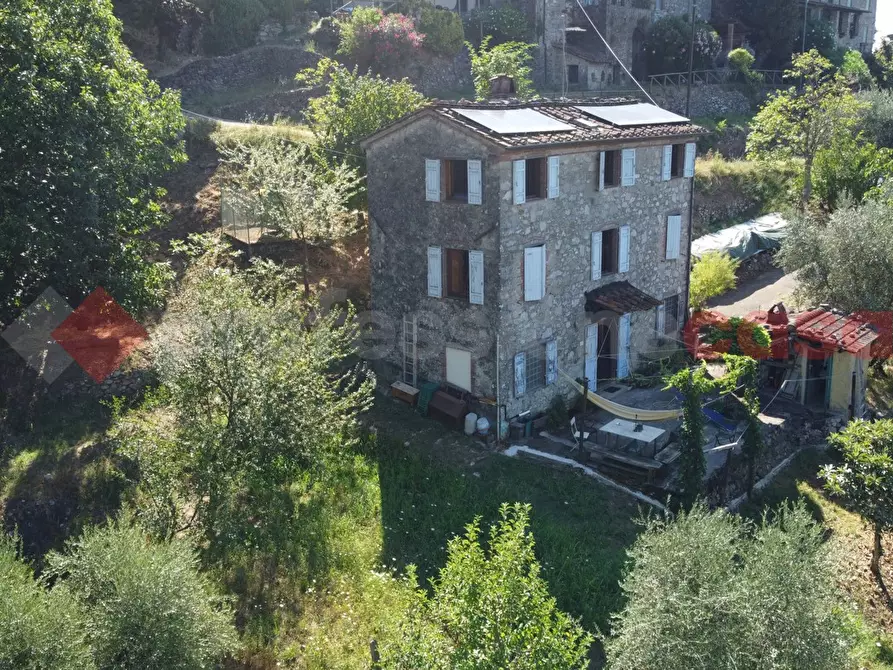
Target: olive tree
(146,605)
(865,479)
(39,629)
(490,609)
(711,591)
(800,121)
(288,191)
(258,394)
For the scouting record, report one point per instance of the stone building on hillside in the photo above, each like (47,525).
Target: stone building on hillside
(511,240)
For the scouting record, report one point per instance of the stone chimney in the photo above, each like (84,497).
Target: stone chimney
(502,86)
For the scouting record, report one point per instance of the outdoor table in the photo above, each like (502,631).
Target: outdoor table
(620,432)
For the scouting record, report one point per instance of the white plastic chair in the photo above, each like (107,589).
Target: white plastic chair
(579,435)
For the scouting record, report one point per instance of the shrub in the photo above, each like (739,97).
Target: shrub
(853,171)
(490,609)
(712,275)
(741,60)
(511,58)
(877,117)
(855,70)
(234,25)
(502,24)
(39,630)
(443,30)
(669,40)
(146,604)
(326,35)
(381,41)
(820,35)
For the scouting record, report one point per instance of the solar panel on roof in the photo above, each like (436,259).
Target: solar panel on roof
(514,121)
(639,114)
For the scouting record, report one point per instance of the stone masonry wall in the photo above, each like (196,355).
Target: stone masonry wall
(402,227)
(565,225)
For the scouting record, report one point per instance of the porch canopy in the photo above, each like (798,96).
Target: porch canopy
(620,297)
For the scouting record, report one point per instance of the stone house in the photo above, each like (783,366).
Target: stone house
(510,240)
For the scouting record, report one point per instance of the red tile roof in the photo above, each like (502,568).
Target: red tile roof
(848,332)
(586,128)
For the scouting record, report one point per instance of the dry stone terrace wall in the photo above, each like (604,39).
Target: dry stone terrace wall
(565,225)
(402,227)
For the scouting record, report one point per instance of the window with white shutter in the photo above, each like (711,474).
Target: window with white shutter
(690,154)
(667,163)
(534,273)
(624,249)
(475,186)
(432,180)
(553,177)
(596,256)
(435,272)
(476,277)
(628,167)
(519,181)
(601,171)
(674,236)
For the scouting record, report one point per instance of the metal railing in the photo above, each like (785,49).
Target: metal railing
(721,77)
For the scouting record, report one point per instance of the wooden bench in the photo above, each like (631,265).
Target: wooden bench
(446,407)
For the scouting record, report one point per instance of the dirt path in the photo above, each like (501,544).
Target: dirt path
(760,292)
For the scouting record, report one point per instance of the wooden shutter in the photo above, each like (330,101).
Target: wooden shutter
(534,273)
(476,277)
(667,165)
(596,256)
(551,362)
(628,167)
(475,189)
(553,176)
(520,374)
(432,180)
(623,262)
(435,272)
(601,170)
(660,321)
(519,181)
(623,349)
(674,236)
(690,153)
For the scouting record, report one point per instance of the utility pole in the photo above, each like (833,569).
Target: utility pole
(805,18)
(691,62)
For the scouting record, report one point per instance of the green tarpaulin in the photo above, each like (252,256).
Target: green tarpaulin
(744,240)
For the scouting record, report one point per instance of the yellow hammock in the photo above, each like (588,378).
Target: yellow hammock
(623,411)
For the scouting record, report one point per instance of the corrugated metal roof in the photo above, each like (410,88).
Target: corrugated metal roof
(844,331)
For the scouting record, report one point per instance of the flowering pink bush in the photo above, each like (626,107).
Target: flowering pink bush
(378,40)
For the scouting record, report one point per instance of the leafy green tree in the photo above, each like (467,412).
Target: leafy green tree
(490,609)
(501,23)
(286,190)
(882,63)
(353,107)
(39,629)
(855,70)
(712,274)
(146,604)
(711,591)
(694,384)
(773,28)
(850,171)
(259,398)
(799,122)
(443,30)
(85,135)
(846,261)
(510,58)
(821,35)
(865,479)
(668,42)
